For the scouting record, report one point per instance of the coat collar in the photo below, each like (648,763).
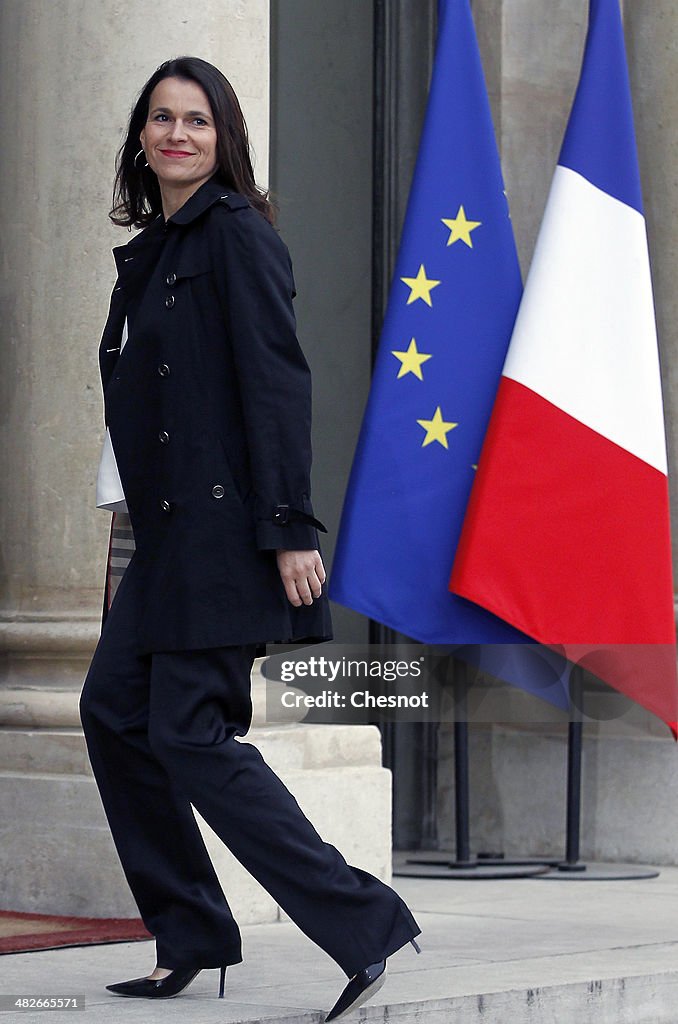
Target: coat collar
(207,195)
(133,258)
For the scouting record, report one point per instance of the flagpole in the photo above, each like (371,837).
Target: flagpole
(572,868)
(461,771)
(575,734)
(463,865)
(439,864)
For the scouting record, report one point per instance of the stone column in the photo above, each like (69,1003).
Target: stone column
(71,70)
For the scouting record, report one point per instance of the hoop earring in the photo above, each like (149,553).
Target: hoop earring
(137,157)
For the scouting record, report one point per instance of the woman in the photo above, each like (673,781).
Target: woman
(208,409)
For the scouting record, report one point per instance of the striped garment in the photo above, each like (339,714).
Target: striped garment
(120,550)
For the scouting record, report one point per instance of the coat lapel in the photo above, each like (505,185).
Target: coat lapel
(134,262)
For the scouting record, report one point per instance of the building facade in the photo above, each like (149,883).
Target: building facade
(333,94)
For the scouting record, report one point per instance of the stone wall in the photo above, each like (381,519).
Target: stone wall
(71,70)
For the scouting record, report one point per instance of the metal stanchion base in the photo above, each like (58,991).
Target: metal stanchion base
(579,872)
(442,864)
(439,864)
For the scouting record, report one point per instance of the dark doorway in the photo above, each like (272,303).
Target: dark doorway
(349,81)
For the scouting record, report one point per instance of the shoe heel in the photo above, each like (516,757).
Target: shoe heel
(416,945)
(222,980)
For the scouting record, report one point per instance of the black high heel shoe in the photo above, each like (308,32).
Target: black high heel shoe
(163,988)
(361,986)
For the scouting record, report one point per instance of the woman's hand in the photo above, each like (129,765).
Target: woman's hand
(302,573)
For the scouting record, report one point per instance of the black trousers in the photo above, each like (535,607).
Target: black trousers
(161,733)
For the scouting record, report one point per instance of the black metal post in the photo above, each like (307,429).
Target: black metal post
(464,865)
(574,761)
(461,769)
(572,868)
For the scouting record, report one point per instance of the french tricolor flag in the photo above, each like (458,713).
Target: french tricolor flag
(566,535)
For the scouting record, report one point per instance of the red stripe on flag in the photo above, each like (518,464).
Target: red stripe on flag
(566,537)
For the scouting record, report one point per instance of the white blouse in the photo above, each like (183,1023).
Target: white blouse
(110,494)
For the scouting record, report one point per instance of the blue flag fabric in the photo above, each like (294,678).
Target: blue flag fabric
(450,313)
(600,140)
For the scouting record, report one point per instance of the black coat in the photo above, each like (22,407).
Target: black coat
(209,410)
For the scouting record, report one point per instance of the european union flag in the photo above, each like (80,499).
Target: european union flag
(450,313)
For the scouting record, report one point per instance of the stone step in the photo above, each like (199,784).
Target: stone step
(284,747)
(50,806)
(285,979)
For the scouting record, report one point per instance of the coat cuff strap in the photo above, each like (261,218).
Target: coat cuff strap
(284,514)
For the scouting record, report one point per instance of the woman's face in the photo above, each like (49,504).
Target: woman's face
(179,137)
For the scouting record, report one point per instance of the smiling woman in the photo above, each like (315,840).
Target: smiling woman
(208,405)
(179,140)
(189,96)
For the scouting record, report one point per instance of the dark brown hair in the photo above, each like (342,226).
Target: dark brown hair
(136,193)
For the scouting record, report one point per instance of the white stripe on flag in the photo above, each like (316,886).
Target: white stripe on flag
(589,291)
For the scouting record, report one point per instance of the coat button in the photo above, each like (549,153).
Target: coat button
(171,279)
(163,437)
(164,370)
(218,491)
(169,301)
(165,505)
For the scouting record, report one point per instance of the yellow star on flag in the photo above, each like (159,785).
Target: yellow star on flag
(461,228)
(410,361)
(436,429)
(420,286)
